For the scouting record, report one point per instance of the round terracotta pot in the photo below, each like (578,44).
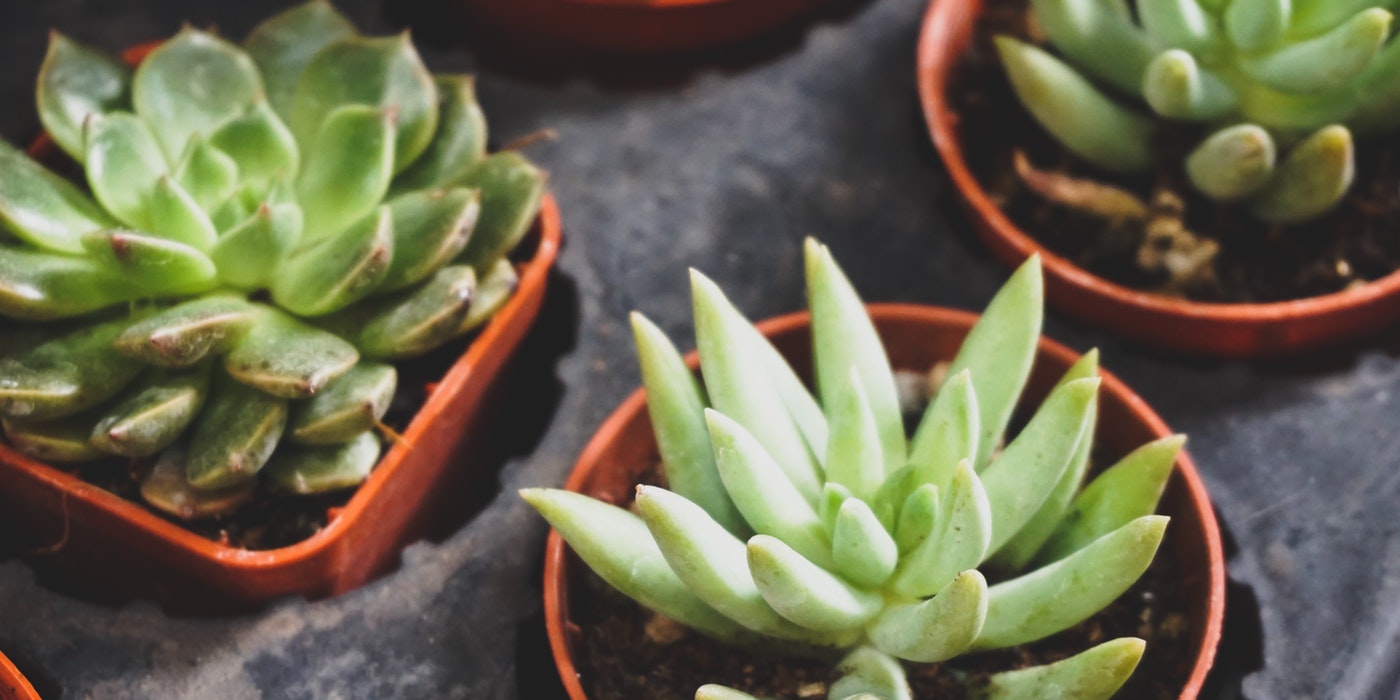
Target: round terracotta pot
(916,338)
(13,685)
(1241,331)
(639,26)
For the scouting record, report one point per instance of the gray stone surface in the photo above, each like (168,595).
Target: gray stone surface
(726,170)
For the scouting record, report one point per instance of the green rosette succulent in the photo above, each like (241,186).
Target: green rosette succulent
(810,524)
(258,234)
(1282,85)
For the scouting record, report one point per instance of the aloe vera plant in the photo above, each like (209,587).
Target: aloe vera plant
(260,232)
(1282,85)
(814,524)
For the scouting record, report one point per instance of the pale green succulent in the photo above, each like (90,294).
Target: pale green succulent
(1263,75)
(261,230)
(798,523)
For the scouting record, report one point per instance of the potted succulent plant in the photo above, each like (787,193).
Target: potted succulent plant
(814,527)
(213,316)
(1187,169)
(13,685)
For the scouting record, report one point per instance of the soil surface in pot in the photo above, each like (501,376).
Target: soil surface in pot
(623,651)
(1237,258)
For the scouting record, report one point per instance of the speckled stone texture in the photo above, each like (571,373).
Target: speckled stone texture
(726,169)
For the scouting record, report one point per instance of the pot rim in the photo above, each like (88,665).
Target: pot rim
(933,71)
(13,684)
(634,408)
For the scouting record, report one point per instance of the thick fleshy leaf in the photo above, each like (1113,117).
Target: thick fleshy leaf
(1124,492)
(1178,23)
(843,337)
(287,358)
(806,413)
(156,266)
(511,189)
(854,454)
(999,352)
(346,171)
(807,593)
(1324,62)
(947,433)
(308,470)
(492,293)
(152,413)
(959,541)
(260,144)
(44,286)
(1065,593)
(328,274)
(381,73)
(430,228)
(833,496)
(184,334)
(918,517)
(1176,87)
(412,322)
(168,489)
(676,404)
(176,216)
(616,545)
(234,435)
(460,140)
(57,440)
(348,406)
(1312,178)
(718,692)
(65,375)
(1253,26)
(936,629)
(1096,35)
(867,672)
(43,208)
(247,255)
(193,84)
(123,162)
(283,45)
(75,81)
(1311,17)
(862,551)
(208,174)
(1095,674)
(1232,163)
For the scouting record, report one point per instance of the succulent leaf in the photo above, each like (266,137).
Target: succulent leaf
(123,161)
(168,489)
(60,440)
(1178,23)
(331,273)
(947,433)
(287,358)
(862,551)
(459,143)
(182,335)
(350,405)
(319,469)
(806,413)
(511,188)
(936,629)
(961,541)
(1311,17)
(918,516)
(805,592)
(176,216)
(719,692)
(1232,163)
(42,208)
(193,84)
(854,456)
(65,375)
(284,44)
(152,414)
(208,174)
(866,671)
(1253,26)
(234,435)
(42,286)
(248,254)
(1177,88)
(411,322)
(430,228)
(1096,35)
(1095,674)
(347,170)
(260,145)
(76,81)
(1312,178)
(1325,61)
(492,293)
(157,266)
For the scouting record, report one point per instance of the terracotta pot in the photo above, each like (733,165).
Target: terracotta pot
(91,535)
(916,337)
(638,26)
(1219,330)
(13,685)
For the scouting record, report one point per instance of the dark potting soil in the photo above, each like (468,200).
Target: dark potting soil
(1356,243)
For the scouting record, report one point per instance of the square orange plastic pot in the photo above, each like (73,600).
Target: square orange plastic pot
(94,536)
(916,338)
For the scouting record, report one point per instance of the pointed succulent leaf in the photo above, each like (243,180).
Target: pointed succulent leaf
(947,433)
(152,414)
(1021,480)
(1075,112)
(492,293)
(1311,17)
(382,73)
(346,171)
(889,500)
(1331,59)
(331,273)
(168,489)
(1094,34)
(156,266)
(960,541)
(123,161)
(284,44)
(43,286)
(617,546)
(259,143)
(176,216)
(1232,163)
(65,375)
(1177,88)
(288,358)
(829,506)
(936,629)
(711,691)
(1124,492)
(459,142)
(1312,178)
(184,334)
(1095,674)
(193,84)
(676,404)
(56,440)
(75,81)
(918,517)
(999,351)
(793,393)
(43,208)
(1178,23)
(763,492)
(853,454)
(430,229)
(844,337)
(234,435)
(806,593)
(1253,26)
(710,560)
(320,469)
(867,672)
(412,322)
(347,407)
(863,552)
(208,174)
(1065,593)
(511,189)
(247,254)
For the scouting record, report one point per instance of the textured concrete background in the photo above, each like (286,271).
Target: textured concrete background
(726,169)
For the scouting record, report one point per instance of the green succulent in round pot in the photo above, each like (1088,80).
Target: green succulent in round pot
(815,525)
(255,236)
